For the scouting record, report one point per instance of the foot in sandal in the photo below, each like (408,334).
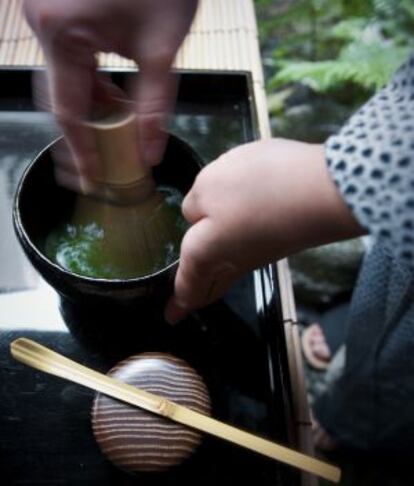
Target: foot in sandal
(315,348)
(321,439)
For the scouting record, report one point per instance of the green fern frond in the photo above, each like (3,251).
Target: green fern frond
(349,29)
(366,65)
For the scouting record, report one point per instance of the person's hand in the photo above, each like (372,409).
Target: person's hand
(71,32)
(255,204)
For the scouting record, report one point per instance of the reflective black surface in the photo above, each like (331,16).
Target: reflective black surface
(45,430)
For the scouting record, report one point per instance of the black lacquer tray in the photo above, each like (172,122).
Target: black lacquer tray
(236,344)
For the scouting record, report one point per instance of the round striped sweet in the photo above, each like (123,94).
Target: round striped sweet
(136,440)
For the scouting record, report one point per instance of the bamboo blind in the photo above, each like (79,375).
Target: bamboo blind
(223,36)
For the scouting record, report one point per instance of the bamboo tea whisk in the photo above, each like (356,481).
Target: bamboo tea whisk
(123,177)
(127,227)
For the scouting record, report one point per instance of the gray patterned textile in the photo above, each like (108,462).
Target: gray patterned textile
(371,405)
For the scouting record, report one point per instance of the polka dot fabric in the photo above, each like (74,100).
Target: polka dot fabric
(371,161)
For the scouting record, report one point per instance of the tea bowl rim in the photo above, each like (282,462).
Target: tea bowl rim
(25,239)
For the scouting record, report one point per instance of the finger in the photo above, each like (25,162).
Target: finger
(154,94)
(177,308)
(106,94)
(71,91)
(201,277)
(64,166)
(71,180)
(195,204)
(191,207)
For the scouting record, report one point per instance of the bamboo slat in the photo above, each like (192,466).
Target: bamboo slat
(3,12)
(16,32)
(223,36)
(8,20)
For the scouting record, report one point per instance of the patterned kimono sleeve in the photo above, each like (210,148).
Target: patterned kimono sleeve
(371,160)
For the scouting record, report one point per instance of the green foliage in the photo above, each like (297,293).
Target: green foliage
(366,65)
(331,44)
(324,58)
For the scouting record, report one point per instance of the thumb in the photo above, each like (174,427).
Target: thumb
(202,276)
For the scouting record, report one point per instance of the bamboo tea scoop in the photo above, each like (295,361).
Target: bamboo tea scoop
(43,359)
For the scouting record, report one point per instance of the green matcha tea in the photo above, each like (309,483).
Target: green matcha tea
(117,242)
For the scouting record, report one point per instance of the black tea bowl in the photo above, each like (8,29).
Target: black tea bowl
(92,305)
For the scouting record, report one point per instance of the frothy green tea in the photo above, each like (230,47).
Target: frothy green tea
(109,242)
